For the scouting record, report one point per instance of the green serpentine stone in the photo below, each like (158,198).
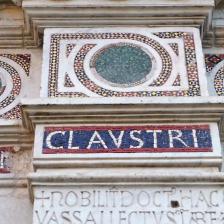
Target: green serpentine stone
(123,64)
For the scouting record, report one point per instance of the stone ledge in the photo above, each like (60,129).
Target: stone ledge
(9,180)
(128,162)
(12,133)
(124,178)
(121,110)
(45,14)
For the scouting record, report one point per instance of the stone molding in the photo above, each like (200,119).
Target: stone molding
(11,133)
(158,109)
(113,13)
(142,157)
(37,16)
(126,177)
(10,181)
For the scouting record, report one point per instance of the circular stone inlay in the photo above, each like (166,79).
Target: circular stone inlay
(123,64)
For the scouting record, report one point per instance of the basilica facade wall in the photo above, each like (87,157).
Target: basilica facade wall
(111,112)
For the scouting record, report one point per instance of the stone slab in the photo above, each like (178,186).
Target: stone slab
(127,139)
(177,140)
(141,204)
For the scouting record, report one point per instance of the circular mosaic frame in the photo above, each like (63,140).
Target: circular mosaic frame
(3,83)
(216,78)
(113,84)
(56,38)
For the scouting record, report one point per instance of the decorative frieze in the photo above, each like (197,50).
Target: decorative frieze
(122,62)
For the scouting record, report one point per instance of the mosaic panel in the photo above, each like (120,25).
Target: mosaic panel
(127,139)
(211,60)
(5,154)
(215,72)
(14,68)
(101,63)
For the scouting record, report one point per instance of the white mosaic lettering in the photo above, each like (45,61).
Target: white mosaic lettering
(175,135)
(96,139)
(195,138)
(155,136)
(117,141)
(2,160)
(48,140)
(70,143)
(140,142)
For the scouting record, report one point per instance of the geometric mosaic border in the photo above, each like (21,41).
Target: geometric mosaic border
(193,89)
(211,60)
(215,70)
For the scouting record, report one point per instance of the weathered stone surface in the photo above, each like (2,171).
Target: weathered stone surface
(15,204)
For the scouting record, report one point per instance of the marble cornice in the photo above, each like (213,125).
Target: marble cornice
(91,13)
(12,133)
(39,15)
(120,111)
(121,177)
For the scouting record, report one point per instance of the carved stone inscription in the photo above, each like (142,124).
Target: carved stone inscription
(129,205)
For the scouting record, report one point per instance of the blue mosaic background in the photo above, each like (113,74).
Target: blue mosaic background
(82,138)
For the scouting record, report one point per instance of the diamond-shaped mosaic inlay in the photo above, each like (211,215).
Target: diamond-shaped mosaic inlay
(122,62)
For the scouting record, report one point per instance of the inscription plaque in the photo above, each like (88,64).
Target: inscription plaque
(127,139)
(129,205)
